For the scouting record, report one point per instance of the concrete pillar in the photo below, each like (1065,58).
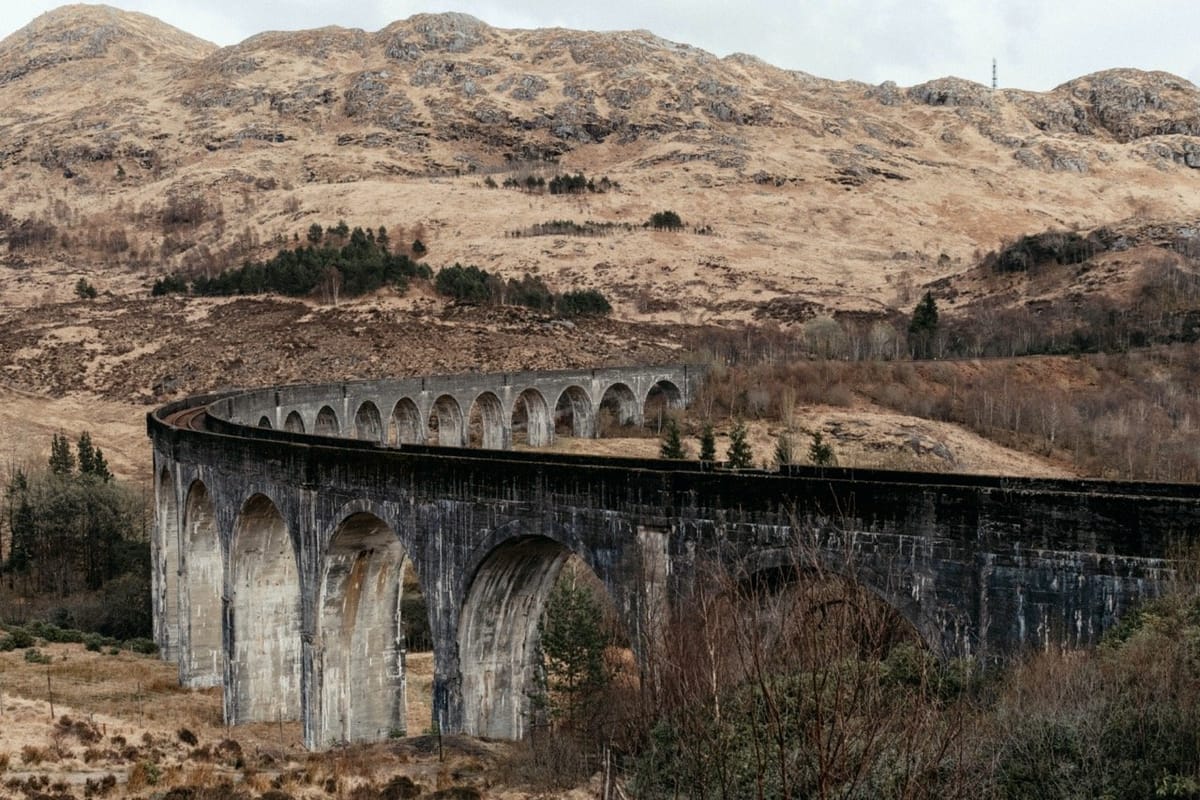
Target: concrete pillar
(263,677)
(203,568)
(165,559)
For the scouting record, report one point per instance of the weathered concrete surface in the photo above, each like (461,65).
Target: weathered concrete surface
(320,530)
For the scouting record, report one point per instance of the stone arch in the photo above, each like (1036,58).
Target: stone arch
(486,424)
(445,424)
(783,568)
(498,633)
(327,423)
(361,633)
(531,421)
(406,423)
(619,407)
(574,414)
(166,567)
(204,567)
(264,422)
(368,424)
(264,656)
(661,398)
(294,423)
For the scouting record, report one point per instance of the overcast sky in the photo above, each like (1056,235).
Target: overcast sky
(1038,43)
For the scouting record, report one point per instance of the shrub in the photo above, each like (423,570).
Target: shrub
(35,656)
(84,290)
(146,647)
(19,638)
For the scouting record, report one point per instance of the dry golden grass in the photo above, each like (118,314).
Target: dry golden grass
(124,715)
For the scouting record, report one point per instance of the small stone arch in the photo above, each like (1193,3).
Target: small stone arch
(361,632)
(264,641)
(661,398)
(531,421)
(264,422)
(327,422)
(486,426)
(445,425)
(294,423)
(204,571)
(406,423)
(498,632)
(574,414)
(368,424)
(619,407)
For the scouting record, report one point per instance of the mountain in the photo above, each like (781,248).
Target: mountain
(130,148)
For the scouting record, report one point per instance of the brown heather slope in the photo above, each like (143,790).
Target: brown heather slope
(825,194)
(129,149)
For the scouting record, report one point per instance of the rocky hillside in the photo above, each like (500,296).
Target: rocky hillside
(129,148)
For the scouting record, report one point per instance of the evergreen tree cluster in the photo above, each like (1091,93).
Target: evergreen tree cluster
(71,527)
(476,286)
(362,263)
(665,221)
(578,184)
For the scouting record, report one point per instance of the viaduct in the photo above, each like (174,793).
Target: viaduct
(288,517)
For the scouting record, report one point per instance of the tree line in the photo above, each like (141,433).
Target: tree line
(77,542)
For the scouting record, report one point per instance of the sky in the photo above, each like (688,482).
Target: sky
(1037,44)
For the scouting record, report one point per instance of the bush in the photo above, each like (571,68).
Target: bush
(17,639)
(146,647)
(84,290)
(35,656)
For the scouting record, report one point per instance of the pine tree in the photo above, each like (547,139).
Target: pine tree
(62,460)
(819,452)
(708,443)
(672,444)
(87,454)
(783,450)
(739,455)
(572,644)
(923,326)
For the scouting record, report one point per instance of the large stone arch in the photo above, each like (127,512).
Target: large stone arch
(574,413)
(788,566)
(264,646)
(265,422)
(203,663)
(498,632)
(486,425)
(361,633)
(446,426)
(407,427)
(327,422)
(532,420)
(165,577)
(619,405)
(294,423)
(368,423)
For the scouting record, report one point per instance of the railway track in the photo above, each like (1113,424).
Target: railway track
(192,419)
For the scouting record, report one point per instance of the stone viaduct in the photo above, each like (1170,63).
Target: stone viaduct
(288,517)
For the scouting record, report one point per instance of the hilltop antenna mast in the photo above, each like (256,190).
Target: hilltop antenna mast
(993,76)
